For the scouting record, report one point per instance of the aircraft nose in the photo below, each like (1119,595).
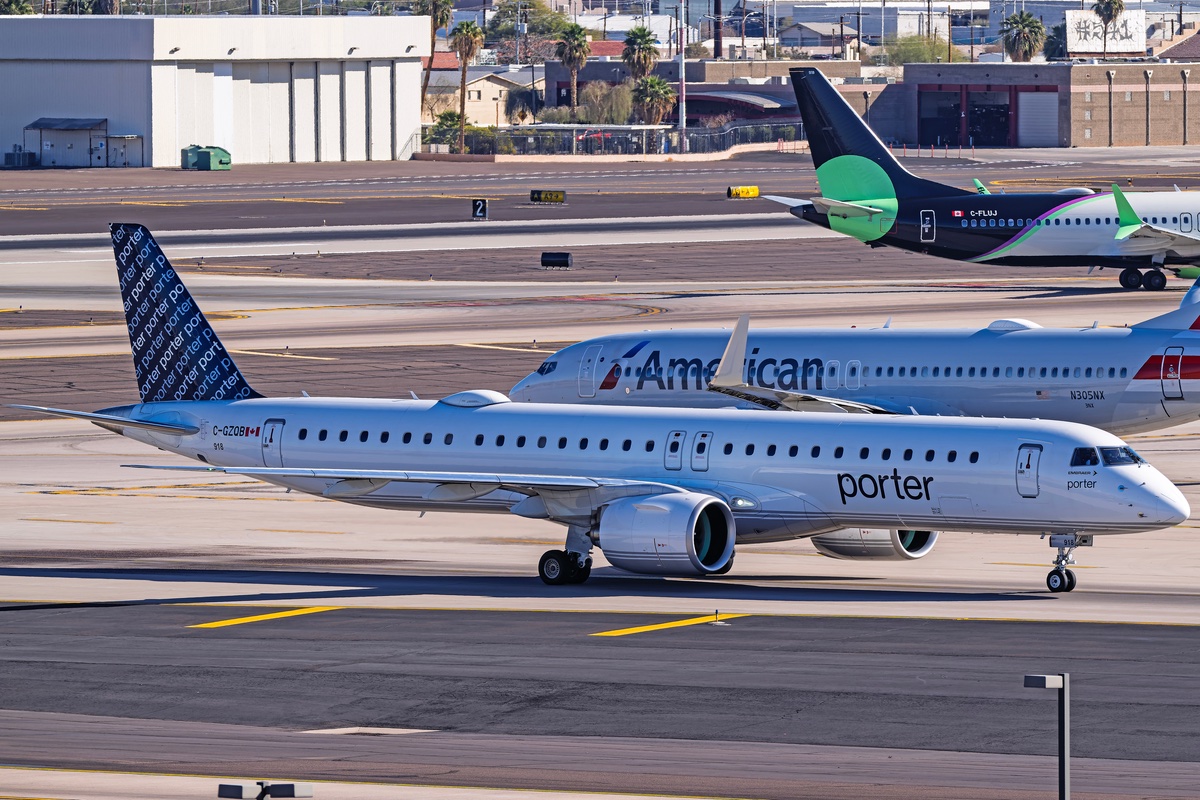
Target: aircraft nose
(1173,507)
(521,392)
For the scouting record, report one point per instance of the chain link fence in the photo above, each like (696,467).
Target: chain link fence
(553,140)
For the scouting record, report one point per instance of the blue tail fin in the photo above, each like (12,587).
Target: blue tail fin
(176,353)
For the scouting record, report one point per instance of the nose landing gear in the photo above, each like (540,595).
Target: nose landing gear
(1060,578)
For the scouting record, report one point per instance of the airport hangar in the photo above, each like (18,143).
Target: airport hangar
(134,91)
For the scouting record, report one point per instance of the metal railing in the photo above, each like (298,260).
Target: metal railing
(607,139)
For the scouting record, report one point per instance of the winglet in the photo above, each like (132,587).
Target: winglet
(1130,222)
(729,371)
(979,187)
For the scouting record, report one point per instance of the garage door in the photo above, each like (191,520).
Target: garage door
(1037,119)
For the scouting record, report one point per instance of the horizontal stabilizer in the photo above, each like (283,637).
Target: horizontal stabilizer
(790,202)
(111,420)
(840,208)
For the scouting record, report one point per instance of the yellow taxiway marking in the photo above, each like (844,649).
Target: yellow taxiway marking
(295,612)
(297,530)
(305,200)
(1021,564)
(282,355)
(662,626)
(76,521)
(498,347)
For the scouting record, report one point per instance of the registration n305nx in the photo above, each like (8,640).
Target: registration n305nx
(661,492)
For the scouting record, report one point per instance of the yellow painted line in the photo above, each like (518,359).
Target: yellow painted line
(76,521)
(511,349)
(303,200)
(297,530)
(1043,566)
(22,208)
(282,355)
(295,612)
(662,626)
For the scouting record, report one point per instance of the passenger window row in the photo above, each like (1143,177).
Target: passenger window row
(863,453)
(994,372)
(542,441)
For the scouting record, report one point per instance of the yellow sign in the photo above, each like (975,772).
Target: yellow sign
(547,196)
(741,192)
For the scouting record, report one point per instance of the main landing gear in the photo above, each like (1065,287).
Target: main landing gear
(1060,578)
(573,565)
(1154,280)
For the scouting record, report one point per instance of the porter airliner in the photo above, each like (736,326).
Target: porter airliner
(868,195)
(661,492)
(1124,380)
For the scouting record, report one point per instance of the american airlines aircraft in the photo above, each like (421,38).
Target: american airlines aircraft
(661,492)
(868,195)
(1124,380)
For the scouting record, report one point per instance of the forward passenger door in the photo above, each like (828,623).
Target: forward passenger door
(587,371)
(1028,458)
(272,443)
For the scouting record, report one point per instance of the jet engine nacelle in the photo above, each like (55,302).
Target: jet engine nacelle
(873,544)
(684,533)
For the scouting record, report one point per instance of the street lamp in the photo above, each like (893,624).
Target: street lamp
(1062,682)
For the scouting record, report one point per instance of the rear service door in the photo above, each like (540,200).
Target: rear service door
(673,456)
(1028,457)
(928,226)
(272,443)
(587,371)
(1172,371)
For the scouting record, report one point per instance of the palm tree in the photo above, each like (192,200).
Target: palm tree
(441,14)
(1023,35)
(641,53)
(573,51)
(1108,11)
(466,39)
(1056,42)
(653,97)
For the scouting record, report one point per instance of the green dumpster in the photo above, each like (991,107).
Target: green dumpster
(189,156)
(212,158)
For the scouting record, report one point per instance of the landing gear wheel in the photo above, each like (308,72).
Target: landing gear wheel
(1130,278)
(579,574)
(554,568)
(1070,581)
(1154,281)
(1057,581)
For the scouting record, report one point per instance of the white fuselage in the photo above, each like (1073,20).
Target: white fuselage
(783,475)
(1123,380)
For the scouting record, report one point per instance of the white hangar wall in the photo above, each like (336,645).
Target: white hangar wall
(268,89)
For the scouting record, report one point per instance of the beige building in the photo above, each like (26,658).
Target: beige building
(266,88)
(495,95)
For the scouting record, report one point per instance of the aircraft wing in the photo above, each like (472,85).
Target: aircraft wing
(728,380)
(359,482)
(1132,227)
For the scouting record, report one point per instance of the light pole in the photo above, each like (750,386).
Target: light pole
(683,146)
(1062,682)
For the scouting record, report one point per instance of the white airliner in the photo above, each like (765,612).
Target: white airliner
(1124,380)
(661,492)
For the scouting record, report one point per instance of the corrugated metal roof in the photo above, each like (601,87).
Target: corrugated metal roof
(66,124)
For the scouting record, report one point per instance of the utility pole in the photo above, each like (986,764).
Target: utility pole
(842,34)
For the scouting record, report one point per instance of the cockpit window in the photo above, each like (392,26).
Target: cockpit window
(547,367)
(1118,456)
(1085,457)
